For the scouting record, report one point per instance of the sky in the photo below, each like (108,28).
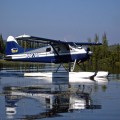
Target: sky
(69,20)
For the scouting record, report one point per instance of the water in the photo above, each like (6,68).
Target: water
(34,98)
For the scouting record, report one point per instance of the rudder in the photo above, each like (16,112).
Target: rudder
(12,46)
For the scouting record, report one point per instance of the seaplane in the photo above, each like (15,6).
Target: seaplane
(53,51)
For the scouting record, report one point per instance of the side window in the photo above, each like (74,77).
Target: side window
(48,49)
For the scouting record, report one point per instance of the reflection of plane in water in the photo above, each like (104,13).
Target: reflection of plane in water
(11,104)
(73,79)
(63,98)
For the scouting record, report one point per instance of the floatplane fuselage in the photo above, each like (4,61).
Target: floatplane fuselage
(59,53)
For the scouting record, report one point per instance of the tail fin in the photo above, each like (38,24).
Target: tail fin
(12,46)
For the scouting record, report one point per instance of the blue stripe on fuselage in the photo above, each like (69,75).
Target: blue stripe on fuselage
(56,59)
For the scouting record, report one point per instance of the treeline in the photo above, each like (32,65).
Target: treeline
(104,57)
(2,45)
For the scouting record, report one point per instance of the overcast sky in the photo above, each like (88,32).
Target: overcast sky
(71,20)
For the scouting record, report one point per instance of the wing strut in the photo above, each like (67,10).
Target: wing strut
(54,49)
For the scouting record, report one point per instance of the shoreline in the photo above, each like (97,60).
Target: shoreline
(28,65)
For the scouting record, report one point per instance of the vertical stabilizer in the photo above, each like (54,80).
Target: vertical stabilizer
(12,46)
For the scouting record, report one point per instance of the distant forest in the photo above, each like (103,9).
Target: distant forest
(105,57)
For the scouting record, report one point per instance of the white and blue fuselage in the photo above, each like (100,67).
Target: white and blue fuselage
(47,54)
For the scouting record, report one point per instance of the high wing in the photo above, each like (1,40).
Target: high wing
(39,39)
(52,41)
(57,45)
(87,43)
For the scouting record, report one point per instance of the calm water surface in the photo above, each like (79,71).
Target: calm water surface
(34,98)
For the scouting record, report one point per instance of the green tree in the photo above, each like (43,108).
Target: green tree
(105,45)
(118,52)
(95,57)
(96,51)
(2,45)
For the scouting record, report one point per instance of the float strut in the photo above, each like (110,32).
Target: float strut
(74,65)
